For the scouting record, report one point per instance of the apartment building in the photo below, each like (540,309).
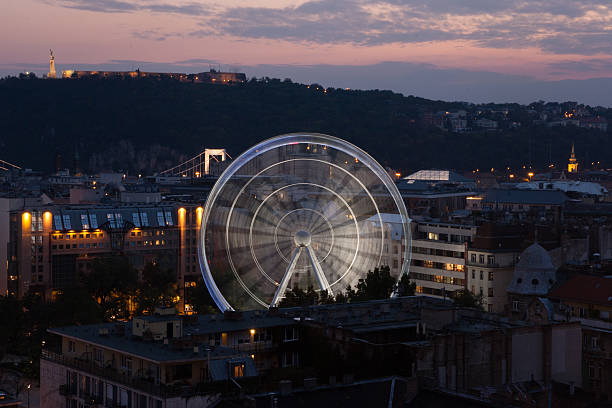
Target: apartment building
(438,264)
(164,360)
(490,263)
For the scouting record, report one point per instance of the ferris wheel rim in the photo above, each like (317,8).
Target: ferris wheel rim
(289,139)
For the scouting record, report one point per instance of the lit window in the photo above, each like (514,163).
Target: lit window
(239,370)
(169,218)
(84,221)
(111,220)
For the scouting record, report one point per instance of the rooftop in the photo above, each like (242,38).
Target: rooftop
(534,197)
(586,289)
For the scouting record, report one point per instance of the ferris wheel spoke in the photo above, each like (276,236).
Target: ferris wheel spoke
(282,287)
(320,275)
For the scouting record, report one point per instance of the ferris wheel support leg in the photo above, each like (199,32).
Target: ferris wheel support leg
(323,283)
(282,287)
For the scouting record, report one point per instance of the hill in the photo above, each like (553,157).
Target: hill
(149,125)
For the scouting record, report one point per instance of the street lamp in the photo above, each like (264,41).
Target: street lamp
(29,385)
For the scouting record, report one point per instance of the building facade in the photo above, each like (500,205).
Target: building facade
(438,264)
(51,246)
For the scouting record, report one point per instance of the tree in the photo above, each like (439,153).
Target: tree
(466,298)
(112,282)
(405,287)
(378,284)
(157,289)
(199,298)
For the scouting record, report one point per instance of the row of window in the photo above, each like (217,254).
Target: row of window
(490,275)
(94,235)
(80,246)
(481,292)
(481,259)
(437,278)
(437,252)
(90,221)
(438,265)
(110,395)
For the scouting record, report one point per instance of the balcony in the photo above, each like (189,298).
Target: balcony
(110,374)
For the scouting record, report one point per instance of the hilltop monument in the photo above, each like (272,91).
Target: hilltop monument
(51,73)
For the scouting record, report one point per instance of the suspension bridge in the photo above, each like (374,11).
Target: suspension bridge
(204,164)
(6,166)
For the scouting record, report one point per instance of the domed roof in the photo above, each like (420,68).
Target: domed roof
(534,274)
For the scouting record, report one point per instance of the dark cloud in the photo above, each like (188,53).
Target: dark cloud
(118,6)
(555,26)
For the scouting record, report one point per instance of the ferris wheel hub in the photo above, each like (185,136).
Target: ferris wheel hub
(302,238)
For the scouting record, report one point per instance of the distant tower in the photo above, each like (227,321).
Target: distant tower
(52,73)
(75,163)
(572,166)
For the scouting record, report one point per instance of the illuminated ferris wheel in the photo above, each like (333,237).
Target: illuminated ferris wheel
(298,210)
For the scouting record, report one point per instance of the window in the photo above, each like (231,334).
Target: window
(474,273)
(111,220)
(473,257)
(490,292)
(160,219)
(99,355)
(432,235)
(395,264)
(57,221)
(119,220)
(136,219)
(84,221)
(71,346)
(37,221)
(94,221)
(67,223)
(490,276)
(481,275)
(291,333)
(481,259)
(169,218)
(481,291)
(490,260)
(290,359)
(490,308)
(145,219)
(238,370)
(515,306)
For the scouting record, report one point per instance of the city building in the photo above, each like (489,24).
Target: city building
(50,245)
(588,299)
(163,360)
(438,262)
(490,263)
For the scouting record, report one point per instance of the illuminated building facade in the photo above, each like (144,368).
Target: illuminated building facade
(438,265)
(51,246)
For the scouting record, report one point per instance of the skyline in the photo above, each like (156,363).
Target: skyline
(525,45)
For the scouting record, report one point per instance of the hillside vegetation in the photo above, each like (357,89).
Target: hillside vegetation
(149,125)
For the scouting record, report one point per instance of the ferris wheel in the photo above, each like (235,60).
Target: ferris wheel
(299,210)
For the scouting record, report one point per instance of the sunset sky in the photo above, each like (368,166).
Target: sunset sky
(509,42)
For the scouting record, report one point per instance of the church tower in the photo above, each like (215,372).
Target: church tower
(52,73)
(572,166)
